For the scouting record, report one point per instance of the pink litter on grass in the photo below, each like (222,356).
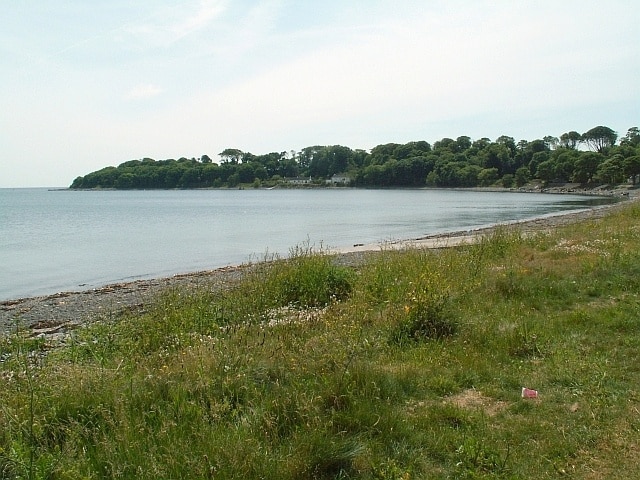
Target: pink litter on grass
(528,393)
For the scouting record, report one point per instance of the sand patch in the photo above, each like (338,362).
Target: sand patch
(472,399)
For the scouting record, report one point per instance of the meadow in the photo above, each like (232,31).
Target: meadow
(409,366)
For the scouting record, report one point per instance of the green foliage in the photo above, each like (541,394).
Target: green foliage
(426,315)
(478,459)
(522,176)
(450,163)
(508,180)
(309,279)
(600,138)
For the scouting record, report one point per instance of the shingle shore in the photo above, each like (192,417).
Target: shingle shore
(61,312)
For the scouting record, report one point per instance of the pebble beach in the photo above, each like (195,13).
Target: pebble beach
(59,313)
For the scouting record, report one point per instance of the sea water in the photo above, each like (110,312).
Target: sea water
(60,240)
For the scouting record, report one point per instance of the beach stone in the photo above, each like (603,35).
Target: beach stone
(56,314)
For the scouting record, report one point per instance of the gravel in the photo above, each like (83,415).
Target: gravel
(58,313)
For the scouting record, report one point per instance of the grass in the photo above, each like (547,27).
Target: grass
(410,366)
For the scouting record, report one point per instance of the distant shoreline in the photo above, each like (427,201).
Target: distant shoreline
(559,188)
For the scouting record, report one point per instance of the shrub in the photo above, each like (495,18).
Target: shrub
(426,314)
(309,279)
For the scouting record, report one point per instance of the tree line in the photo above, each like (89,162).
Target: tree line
(589,158)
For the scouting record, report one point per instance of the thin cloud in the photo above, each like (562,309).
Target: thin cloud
(248,33)
(174,24)
(143,92)
(208,11)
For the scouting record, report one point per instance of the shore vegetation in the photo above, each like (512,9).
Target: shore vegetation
(595,157)
(411,365)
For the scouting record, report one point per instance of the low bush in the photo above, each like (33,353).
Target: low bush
(426,314)
(307,278)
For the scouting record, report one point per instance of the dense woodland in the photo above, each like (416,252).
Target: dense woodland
(595,157)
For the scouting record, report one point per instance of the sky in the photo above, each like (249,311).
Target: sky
(87,84)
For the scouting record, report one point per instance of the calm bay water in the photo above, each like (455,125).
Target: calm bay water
(52,241)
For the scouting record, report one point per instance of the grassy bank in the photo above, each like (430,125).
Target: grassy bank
(410,366)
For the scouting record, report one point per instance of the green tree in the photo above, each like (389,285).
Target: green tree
(535,161)
(469,175)
(508,180)
(586,166)
(410,172)
(536,146)
(360,156)
(231,155)
(233,180)
(125,181)
(306,156)
(632,168)
(381,153)
(546,171)
(632,138)
(455,174)
(190,178)
(339,158)
(246,172)
(528,154)
(446,144)
(496,156)
(551,142)
(373,175)
(488,176)
(570,140)
(402,151)
(522,176)
(451,163)
(611,170)
(463,143)
(210,174)
(287,168)
(508,142)
(564,159)
(600,138)
(320,163)
(107,177)
(481,143)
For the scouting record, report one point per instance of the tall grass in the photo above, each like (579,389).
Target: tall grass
(409,366)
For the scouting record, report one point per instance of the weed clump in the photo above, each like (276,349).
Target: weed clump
(425,315)
(309,279)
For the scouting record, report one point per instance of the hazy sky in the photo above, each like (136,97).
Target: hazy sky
(86,84)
